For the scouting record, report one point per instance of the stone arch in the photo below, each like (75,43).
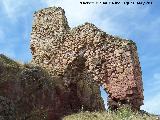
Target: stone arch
(108,61)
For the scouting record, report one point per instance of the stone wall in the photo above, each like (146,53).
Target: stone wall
(86,52)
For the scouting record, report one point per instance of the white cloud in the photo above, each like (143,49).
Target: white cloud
(15,26)
(149,59)
(75,12)
(106,17)
(151,29)
(8,51)
(2,36)
(12,8)
(19,8)
(157,76)
(152,105)
(152,96)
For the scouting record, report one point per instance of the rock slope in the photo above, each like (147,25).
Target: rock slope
(28,92)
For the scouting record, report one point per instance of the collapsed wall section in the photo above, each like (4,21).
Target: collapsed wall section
(87,52)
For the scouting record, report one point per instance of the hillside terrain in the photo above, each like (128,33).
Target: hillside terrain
(22,89)
(27,92)
(119,115)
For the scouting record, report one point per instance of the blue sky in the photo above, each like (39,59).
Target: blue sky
(137,22)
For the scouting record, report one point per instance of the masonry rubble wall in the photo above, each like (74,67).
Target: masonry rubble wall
(86,52)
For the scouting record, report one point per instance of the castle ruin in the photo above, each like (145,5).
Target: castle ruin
(86,52)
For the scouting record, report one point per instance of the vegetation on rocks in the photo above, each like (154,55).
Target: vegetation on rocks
(123,113)
(28,92)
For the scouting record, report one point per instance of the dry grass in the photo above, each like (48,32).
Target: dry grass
(121,114)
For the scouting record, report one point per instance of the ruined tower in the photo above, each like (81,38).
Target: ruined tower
(86,52)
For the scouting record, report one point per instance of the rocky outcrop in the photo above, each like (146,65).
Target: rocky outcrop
(87,53)
(28,92)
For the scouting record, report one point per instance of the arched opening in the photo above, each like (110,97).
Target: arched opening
(104,96)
